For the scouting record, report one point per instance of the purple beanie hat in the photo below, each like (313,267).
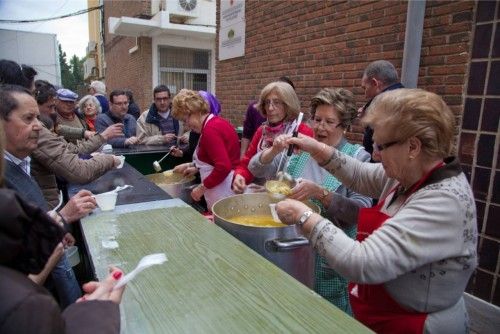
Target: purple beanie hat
(212,101)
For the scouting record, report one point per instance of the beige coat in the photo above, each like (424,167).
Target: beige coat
(147,133)
(55,156)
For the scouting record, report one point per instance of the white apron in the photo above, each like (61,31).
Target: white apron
(223,189)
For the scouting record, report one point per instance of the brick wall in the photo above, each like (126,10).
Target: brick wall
(329,43)
(125,70)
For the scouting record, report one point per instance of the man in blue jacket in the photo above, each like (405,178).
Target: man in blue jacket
(118,101)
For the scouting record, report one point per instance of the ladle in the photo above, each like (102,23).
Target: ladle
(280,173)
(156,164)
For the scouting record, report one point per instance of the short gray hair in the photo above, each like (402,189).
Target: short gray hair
(382,70)
(92,99)
(99,87)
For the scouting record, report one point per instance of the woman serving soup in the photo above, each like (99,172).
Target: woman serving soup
(217,152)
(332,112)
(416,249)
(280,105)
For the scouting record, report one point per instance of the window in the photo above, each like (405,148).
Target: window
(184,68)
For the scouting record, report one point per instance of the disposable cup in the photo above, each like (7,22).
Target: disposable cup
(106,201)
(72,255)
(122,161)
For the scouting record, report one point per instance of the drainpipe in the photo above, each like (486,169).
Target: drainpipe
(413,42)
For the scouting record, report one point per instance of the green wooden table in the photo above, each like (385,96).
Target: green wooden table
(211,283)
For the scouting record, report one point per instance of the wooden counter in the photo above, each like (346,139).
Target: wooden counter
(211,283)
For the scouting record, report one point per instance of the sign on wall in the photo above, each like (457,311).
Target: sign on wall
(232,29)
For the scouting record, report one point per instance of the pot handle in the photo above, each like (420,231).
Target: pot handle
(283,245)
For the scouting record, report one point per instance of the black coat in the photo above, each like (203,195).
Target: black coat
(27,238)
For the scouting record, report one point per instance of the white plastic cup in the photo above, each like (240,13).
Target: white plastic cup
(72,255)
(106,201)
(122,161)
(107,148)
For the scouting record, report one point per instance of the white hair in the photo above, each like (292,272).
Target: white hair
(92,99)
(99,87)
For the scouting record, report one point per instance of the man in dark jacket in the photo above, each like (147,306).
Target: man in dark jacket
(117,114)
(19,112)
(379,76)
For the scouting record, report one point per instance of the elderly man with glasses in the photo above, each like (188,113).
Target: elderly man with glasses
(118,114)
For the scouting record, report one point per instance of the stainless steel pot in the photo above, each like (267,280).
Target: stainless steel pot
(283,246)
(173,186)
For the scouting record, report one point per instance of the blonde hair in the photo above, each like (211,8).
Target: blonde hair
(286,93)
(342,100)
(414,113)
(188,102)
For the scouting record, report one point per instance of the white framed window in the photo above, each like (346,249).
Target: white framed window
(184,68)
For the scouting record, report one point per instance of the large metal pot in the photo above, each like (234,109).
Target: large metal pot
(284,246)
(175,186)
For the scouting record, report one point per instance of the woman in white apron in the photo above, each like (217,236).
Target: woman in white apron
(217,152)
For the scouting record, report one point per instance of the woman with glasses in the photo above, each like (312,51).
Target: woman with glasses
(89,107)
(416,249)
(332,112)
(280,105)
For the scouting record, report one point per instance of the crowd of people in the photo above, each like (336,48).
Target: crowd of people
(396,234)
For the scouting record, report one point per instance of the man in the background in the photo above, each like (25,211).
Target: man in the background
(118,114)
(379,76)
(98,89)
(156,126)
(69,124)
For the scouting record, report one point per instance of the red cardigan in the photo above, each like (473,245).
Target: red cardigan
(242,168)
(219,146)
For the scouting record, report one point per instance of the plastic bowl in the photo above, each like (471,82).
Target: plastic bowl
(72,255)
(106,201)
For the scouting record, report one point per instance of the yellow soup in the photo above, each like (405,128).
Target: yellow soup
(256,220)
(278,187)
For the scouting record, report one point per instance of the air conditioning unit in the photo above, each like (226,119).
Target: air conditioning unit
(89,68)
(91,47)
(183,8)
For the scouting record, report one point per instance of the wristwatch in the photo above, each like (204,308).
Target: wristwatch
(305,216)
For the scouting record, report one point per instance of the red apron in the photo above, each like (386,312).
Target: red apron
(371,304)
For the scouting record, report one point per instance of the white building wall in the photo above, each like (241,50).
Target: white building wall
(38,50)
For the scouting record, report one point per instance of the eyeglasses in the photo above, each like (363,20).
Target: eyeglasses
(326,122)
(120,103)
(161,99)
(275,103)
(381,147)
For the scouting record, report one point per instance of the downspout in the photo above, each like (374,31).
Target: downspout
(413,42)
